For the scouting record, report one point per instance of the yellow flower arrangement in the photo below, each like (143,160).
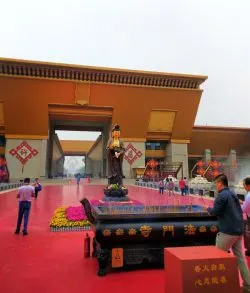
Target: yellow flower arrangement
(59,221)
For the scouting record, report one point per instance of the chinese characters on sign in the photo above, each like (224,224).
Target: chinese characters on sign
(132,231)
(119,232)
(145,231)
(213,229)
(202,229)
(168,229)
(211,268)
(211,281)
(117,257)
(191,229)
(106,232)
(215,279)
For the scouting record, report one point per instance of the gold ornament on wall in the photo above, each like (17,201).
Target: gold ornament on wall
(82,94)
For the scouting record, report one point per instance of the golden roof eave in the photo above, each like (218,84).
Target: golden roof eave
(60,71)
(87,113)
(218,127)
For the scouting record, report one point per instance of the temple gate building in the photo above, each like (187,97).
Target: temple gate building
(156,112)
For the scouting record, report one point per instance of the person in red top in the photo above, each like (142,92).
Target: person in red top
(182,185)
(25,194)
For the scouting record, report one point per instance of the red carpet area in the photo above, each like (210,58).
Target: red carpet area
(51,262)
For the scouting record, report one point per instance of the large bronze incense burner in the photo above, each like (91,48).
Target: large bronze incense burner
(136,235)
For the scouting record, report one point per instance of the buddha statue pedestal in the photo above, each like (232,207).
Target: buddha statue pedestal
(116,194)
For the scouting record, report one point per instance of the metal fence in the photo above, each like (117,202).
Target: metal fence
(7,186)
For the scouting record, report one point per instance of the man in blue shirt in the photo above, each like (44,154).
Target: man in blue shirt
(228,210)
(78,178)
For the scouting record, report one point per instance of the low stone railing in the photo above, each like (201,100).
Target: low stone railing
(192,190)
(7,186)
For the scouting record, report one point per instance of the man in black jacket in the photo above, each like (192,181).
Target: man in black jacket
(230,217)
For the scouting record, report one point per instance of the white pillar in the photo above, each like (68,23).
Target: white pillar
(178,153)
(207,155)
(88,165)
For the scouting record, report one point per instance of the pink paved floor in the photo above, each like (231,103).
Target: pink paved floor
(46,262)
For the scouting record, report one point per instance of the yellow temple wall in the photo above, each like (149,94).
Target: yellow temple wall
(143,110)
(25,104)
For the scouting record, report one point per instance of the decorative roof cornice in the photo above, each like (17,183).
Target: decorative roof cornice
(219,128)
(58,71)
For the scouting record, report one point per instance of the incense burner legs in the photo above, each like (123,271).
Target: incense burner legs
(103,259)
(95,248)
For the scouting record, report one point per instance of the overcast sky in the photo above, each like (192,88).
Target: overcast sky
(77,135)
(209,37)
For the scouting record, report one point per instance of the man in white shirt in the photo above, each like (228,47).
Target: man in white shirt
(25,194)
(246,204)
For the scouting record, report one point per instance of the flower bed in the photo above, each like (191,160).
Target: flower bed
(60,222)
(73,218)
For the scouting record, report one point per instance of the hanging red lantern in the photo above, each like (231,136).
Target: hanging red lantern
(152,164)
(2,161)
(200,171)
(215,164)
(215,173)
(200,163)
(153,173)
